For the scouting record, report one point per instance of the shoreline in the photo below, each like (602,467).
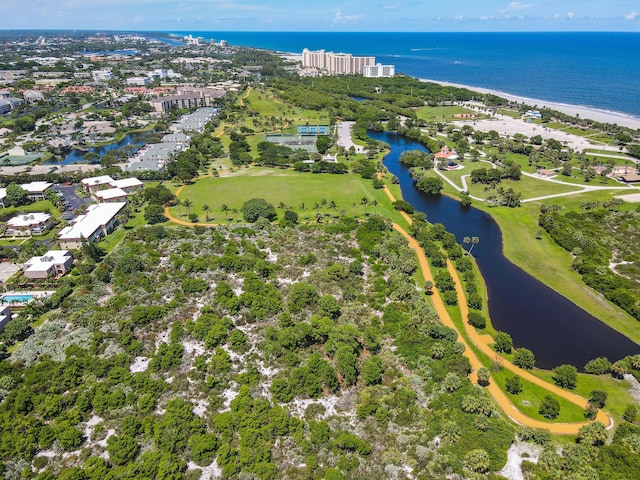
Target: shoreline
(592,113)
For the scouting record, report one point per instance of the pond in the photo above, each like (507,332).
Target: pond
(535,316)
(75,156)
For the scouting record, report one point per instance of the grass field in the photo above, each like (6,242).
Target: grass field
(299,191)
(440,114)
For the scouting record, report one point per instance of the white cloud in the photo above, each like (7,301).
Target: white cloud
(458,17)
(339,18)
(571,14)
(631,15)
(519,6)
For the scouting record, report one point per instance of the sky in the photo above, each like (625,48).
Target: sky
(325,15)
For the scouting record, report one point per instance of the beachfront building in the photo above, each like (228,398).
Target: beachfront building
(36,190)
(335,63)
(34,223)
(33,96)
(378,70)
(97,222)
(54,263)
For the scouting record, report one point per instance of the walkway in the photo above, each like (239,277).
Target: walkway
(580,188)
(482,342)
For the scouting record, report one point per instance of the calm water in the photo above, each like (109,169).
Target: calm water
(594,69)
(75,156)
(535,316)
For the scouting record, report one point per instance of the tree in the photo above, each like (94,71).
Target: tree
(503,342)
(291,216)
(122,449)
(598,398)
(477,320)
(474,242)
(372,371)
(630,413)
(513,385)
(188,203)
(15,196)
(257,208)
(593,434)
(483,376)
(549,408)
(364,201)
(598,366)
(322,144)
(154,214)
(431,185)
(477,461)
(565,376)
(524,358)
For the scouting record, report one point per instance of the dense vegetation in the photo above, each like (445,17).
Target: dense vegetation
(260,353)
(602,241)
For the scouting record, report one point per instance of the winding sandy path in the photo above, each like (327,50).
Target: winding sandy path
(482,342)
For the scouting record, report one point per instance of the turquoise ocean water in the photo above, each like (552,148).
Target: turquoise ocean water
(592,69)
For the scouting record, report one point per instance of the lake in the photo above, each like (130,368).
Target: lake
(75,156)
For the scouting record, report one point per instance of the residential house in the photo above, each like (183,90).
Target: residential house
(93,184)
(110,195)
(34,223)
(98,221)
(53,263)
(36,190)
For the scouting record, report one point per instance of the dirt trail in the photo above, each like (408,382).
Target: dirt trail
(482,342)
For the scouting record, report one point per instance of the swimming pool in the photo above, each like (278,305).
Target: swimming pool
(16,298)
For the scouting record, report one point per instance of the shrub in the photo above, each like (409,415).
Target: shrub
(549,408)
(513,385)
(477,320)
(598,366)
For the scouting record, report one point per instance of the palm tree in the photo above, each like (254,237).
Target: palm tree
(224,207)
(466,241)
(474,242)
(374,202)
(188,203)
(205,209)
(354,208)
(303,207)
(333,206)
(179,203)
(364,201)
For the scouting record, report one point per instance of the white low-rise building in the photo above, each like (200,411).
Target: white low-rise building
(129,185)
(36,190)
(28,224)
(53,263)
(93,184)
(111,195)
(98,221)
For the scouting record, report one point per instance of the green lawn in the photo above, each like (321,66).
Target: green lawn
(439,114)
(618,391)
(293,189)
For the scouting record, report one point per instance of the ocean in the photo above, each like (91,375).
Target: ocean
(591,69)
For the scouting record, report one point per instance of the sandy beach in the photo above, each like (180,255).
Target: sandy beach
(598,115)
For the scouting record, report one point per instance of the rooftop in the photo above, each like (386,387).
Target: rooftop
(111,193)
(35,218)
(95,217)
(46,261)
(36,187)
(97,180)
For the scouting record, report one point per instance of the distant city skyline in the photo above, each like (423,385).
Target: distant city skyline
(328,15)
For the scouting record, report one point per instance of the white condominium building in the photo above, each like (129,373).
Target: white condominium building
(335,63)
(379,70)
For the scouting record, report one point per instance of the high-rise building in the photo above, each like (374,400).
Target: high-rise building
(335,63)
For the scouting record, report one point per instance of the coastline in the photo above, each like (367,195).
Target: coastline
(598,115)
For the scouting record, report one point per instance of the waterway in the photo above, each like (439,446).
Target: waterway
(75,156)
(535,316)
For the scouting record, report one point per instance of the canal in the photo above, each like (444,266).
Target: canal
(535,316)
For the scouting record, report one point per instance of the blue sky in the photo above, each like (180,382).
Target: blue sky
(325,15)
